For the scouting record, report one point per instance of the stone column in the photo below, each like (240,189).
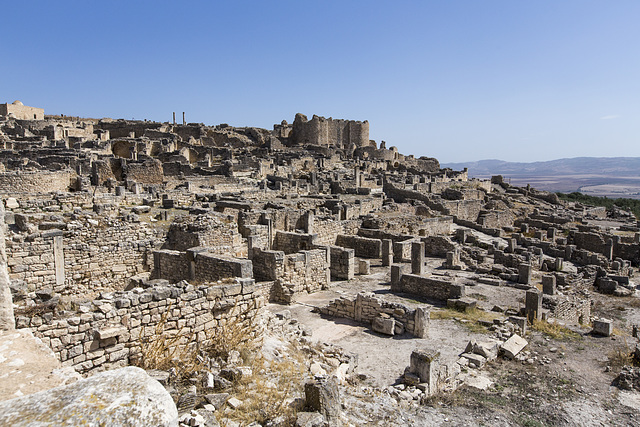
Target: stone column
(417,258)
(524,273)
(559,264)
(533,305)
(7,321)
(421,320)
(396,274)
(387,252)
(549,284)
(424,364)
(608,250)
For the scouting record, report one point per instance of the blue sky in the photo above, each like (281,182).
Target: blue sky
(456,80)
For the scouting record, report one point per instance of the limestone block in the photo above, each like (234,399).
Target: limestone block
(513,346)
(115,398)
(323,395)
(603,327)
(383,325)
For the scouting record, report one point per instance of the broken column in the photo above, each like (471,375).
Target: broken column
(396,273)
(424,364)
(524,273)
(387,252)
(422,319)
(453,259)
(549,284)
(417,258)
(533,305)
(608,250)
(322,395)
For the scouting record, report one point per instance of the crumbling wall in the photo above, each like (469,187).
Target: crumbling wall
(428,287)
(293,242)
(365,307)
(148,172)
(567,308)
(107,333)
(37,182)
(219,235)
(363,246)
(84,258)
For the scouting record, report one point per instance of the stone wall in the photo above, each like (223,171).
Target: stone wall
(568,308)
(218,234)
(198,264)
(148,172)
(428,287)
(366,307)
(321,131)
(37,182)
(328,229)
(364,247)
(293,242)
(85,258)
(107,332)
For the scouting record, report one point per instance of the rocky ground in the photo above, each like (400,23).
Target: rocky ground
(563,376)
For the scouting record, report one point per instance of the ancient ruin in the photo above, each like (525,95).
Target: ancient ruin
(395,283)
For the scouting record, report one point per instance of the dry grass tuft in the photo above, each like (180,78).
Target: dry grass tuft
(169,349)
(269,393)
(469,319)
(555,330)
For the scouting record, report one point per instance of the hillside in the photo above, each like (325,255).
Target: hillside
(598,176)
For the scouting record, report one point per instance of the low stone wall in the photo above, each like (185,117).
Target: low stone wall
(328,229)
(107,332)
(428,287)
(199,265)
(267,265)
(293,242)
(365,307)
(567,308)
(210,267)
(363,246)
(36,182)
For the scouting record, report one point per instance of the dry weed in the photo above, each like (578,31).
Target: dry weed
(169,349)
(555,330)
(269,393)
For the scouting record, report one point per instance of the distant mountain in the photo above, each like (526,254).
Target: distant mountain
(610,166)
(598,176)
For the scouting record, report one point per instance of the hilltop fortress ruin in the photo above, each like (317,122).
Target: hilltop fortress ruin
(116,226)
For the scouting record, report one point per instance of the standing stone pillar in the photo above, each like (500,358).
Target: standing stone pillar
(356,173)
(7,321)
(396,274)
(269,223)
(524,273)
(387,252)
(568,252)
(425,365)
(559,264)
(421,321)
(549,284)
(58,261)
(511,247)
(309,222)
(533,305)
(608,250)
(417,258)
(551,234)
